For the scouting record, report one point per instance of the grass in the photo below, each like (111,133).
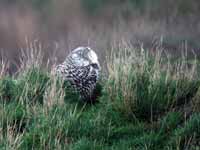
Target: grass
(142,105)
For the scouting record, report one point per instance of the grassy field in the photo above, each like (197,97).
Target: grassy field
(145,101)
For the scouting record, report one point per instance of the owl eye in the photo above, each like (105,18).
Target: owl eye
(75,56)
(94,65)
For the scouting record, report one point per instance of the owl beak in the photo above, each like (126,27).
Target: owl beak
(99,67)
(96,66)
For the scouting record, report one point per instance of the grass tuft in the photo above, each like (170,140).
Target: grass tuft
(146,85)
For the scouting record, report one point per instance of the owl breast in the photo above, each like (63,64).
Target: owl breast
(83,78)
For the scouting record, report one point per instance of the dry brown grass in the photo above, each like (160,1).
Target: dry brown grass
(3,68)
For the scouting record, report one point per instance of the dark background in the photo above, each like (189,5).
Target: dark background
(61,25)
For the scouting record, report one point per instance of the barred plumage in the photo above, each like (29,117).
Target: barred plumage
(81,68)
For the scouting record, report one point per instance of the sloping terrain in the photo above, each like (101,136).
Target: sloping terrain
(145,101)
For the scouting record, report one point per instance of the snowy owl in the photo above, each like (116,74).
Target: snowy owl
(81,68)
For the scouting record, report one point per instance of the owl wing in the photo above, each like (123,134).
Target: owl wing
(88,83)
(83,79)
(80,79)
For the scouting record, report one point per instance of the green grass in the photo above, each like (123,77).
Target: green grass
(140,106)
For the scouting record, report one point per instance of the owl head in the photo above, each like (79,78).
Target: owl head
(84,56)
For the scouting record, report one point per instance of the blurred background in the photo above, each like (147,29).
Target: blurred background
(62,25)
